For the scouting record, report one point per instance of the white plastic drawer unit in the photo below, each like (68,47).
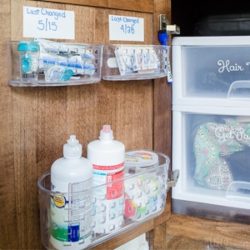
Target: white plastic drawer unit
(213,153)
(211,68)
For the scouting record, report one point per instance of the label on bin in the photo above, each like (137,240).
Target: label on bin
(48,23)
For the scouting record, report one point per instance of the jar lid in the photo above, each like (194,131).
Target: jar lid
(141,159)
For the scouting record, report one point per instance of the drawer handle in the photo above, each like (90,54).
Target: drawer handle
(239,191)
(241,84)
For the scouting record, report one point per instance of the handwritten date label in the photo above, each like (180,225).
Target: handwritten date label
(126,28)
(48,23)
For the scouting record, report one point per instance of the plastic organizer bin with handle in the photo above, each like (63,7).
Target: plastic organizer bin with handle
(41,62)
(145,185)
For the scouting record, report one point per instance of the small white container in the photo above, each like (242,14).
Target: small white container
(143,194)
(70,177)
(107,156)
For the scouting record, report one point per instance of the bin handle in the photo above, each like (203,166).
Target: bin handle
(240,84)
(173,178)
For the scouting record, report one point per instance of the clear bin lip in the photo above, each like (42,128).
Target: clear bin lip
(18,83)
(69,43)
(142,171)
(147,76)
(135,45)
(40,185)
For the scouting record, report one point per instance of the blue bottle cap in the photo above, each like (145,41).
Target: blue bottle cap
(22,46)
(67,74)
(163,37)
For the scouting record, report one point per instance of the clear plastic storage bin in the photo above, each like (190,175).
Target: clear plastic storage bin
(134,62)
(213,153)
(41,62)
(145,191)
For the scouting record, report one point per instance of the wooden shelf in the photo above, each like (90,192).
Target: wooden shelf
(179,242)
(222,233)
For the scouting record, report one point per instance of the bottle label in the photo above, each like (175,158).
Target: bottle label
(71,213)
(110,175)
(109,197)
(115,188)
(116,168)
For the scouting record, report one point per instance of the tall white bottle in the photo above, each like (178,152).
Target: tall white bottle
(71,208)
(107,157)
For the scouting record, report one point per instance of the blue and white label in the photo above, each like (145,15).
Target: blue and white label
(48,23)
(126,28)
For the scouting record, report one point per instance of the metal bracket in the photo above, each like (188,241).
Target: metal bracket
(163,22)
(165,25)
(173,29)
(173,179)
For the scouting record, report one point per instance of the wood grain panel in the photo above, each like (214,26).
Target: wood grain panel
(181,243)
(37,121)
(139,5)
(91,23)
(8,213)
(162,94)
(162,123)
(221,233)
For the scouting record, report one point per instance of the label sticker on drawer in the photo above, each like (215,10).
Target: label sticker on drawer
(126,28)
(48,23)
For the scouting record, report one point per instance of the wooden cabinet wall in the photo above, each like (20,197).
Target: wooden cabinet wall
(35,122)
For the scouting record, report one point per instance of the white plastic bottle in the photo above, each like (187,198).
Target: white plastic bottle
(70,205)
(107,157)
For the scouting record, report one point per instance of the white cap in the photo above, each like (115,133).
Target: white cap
(72,149)
(106,133)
